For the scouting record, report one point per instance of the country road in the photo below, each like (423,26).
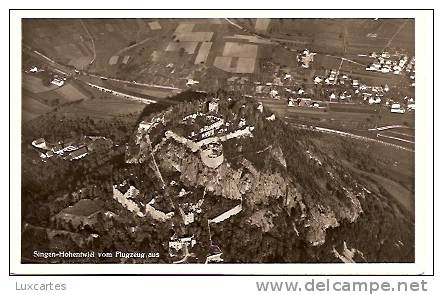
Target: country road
(69,71)
(350,135)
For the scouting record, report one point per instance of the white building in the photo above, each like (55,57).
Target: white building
(317,80)
(214,258)
(179,243)
(271,118)
(58,82)
(292,102)
(213,106)
(241,123)
(144,125)
(396,108)
(188,218)
(274,93)
(40,143)
(260,107)
(191,82)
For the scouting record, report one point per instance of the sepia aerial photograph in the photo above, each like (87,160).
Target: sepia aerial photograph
(217,140)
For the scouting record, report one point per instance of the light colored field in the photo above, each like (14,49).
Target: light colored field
(184,27)
(195,36)
(245,65)
(189,47)
(35,85)
(70,93)
(249,38)
(113,60)
(203,52)
(235,49)
(154,25)
(155,56)
(262,24)
(244,56)
(223,63)
(126,59)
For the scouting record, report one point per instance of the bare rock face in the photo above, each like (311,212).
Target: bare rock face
(223,180)
(277,154)
(266,183)
(260,187)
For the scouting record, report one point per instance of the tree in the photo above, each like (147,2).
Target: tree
(181,51)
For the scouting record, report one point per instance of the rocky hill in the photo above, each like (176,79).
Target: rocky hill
(296,202)
(210,180)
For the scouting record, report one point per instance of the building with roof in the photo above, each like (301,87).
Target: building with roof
(40,143)
(178,244)
(57,81)
(78,154)
(396,108)
(79,215)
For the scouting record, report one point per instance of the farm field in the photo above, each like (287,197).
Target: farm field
(32,108)
(154,92)
(35,84)
(54,95)
(334,35)
(103,108)
(170,51)
(126,47)
(70,93)
(38,99)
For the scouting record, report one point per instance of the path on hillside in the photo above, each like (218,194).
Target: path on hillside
(94,53)
(395,34)
(124,49)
